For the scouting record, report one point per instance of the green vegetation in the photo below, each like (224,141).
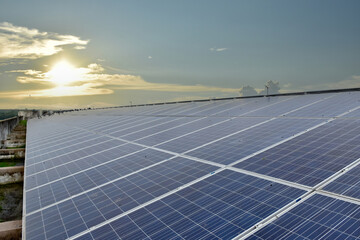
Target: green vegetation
(22,146)
(23,123)
(4,114)
(7,164)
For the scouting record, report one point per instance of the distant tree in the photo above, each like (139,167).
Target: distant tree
(272,88)
(248,91)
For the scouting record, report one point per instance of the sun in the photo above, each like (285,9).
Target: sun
(62,74)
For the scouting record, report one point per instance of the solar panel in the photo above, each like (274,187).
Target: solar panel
(185,141)
(157,135)
(319,217)
(347,184)
(335,104)
(221,206)
(244,143)
(197,170)
(312,157)
(291,103)
(87,177)
(98,202)
(69,164)
(353,114)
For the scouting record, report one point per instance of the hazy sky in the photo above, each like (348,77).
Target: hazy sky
(64,54)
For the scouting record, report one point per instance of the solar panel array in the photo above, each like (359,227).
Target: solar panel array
(257,168)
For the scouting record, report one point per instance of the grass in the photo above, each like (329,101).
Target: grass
(23,123)
(22,146)
(7,164)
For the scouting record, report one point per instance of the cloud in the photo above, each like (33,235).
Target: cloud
(352,82)
(79,47)
(149,57)
(63,91)
(92,80)
(12,62)
(218,49)
(54,106)
(22,42)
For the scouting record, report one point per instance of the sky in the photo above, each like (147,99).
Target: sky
(74,54)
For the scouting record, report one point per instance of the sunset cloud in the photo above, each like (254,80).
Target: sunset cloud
(92,80)
(22,42)
(217,49)
(351,82)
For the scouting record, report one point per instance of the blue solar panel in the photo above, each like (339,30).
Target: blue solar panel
(285,105)
(125,172)
(88,209)
(63,156)
(212,107)
(353,114)
(235,147)
(198,138)
(251,105)
(311,157)
(163,123)
(55,151)
(219,207)
(157,138)
(319,217)
(64,166)
(57,143)
(154,129)
(336,104)
(347,184)
(57,190)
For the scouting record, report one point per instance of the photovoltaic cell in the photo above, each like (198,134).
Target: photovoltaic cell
(347,184)
(165,121)
(319,217)
(282,107)
(353,114)
(60,157)
(87,167)
(158,128)
(312,157)
(172,133)
(55,152)
(333,106)
(84,180)
(198,138)
(219,207)
(235,147)
(59,143)
(251,105)
(73,163)
(91,208)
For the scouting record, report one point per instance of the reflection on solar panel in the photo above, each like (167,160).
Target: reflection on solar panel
(260,168)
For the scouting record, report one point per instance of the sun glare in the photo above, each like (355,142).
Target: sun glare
(62,74)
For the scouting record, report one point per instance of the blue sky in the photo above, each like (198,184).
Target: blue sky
(146,51)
